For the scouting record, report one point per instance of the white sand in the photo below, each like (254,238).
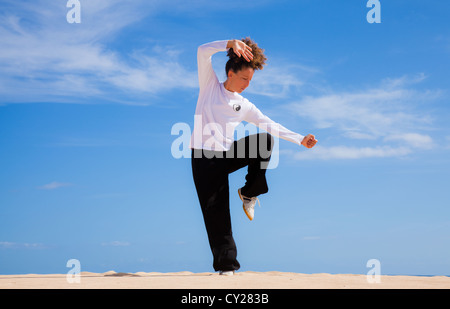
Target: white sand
(241,280)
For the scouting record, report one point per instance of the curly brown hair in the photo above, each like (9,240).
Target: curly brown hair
(236,63)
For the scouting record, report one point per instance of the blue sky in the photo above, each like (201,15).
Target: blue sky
(86,112)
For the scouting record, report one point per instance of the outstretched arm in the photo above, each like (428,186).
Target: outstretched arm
(255,116)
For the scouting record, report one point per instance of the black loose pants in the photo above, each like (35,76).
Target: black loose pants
(210,171)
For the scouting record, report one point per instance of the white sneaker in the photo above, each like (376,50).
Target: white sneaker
(249,205)
(226,272)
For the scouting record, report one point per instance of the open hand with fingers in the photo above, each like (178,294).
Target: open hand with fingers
(241,49)
(309,141)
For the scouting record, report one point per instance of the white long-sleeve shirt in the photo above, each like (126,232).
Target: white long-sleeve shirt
(220,111)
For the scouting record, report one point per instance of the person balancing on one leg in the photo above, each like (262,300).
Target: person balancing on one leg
(215,153)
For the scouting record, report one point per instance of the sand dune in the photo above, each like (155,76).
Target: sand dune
(241,280)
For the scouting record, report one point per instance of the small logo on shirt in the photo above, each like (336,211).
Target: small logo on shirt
(236,107)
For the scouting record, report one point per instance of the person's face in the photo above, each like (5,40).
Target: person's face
(239,81)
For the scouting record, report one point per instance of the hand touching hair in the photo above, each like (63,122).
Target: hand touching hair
(244,53)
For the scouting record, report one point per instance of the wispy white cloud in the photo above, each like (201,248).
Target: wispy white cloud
(415,140)
(391,115)
(44,58)
(54,185)
(116,243)
(6,244)
(347,152)
(279,80)
(403,81)
(371,113)
(15,245)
